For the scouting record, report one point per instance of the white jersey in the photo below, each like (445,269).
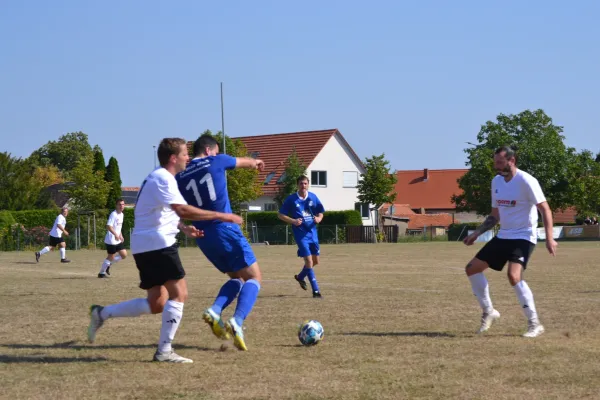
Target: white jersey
(155,222)
(516,202)
(115,220)
(60,220)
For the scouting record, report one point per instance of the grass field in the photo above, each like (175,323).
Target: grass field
(399,323)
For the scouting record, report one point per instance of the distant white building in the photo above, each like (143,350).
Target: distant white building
(332,166)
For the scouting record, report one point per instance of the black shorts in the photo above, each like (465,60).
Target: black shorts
(497,252)
(114,248)
(54,241)
(159,266)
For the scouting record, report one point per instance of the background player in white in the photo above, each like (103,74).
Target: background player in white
(115,244)
(56,237)
(158,210)
(516,199)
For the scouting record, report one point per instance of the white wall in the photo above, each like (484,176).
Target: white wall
(261,202)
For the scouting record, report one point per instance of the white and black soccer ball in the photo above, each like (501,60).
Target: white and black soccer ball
(311,332)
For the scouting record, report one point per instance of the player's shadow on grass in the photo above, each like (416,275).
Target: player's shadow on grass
(13,359)
(74,277)
(73,346)
(25,262)
(402,334)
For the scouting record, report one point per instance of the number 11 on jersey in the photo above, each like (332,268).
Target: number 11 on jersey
(212,194)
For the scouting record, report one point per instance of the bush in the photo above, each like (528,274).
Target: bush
(458,232)
(31,218)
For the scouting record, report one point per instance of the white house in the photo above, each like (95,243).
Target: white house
(332,166)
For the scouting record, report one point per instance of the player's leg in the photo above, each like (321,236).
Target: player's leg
(51,243)
(304,252)
(251,276)
(516,265)
(490,256)
(171,318)
(315,251)
(63,251)
(110,255)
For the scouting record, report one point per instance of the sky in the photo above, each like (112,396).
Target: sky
(414,80)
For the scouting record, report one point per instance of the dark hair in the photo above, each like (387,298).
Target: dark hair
(168,147)
(203,142)
(119,200)
(302,178)
(509,151)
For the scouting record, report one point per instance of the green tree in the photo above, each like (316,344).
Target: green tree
(541,152)
(113,177)
(287,183)
(18,188)
(377,184)
(89,190)
(598,157)
(99,163)
(585,184)
(64,153)
(242,183)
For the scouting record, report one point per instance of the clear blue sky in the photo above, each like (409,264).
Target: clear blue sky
(412,79)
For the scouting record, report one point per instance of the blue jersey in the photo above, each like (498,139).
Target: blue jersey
(295,207)
(203,184)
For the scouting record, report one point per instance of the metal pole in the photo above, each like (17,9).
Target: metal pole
(223,120)
(95,231)
(336,234)
(154,155)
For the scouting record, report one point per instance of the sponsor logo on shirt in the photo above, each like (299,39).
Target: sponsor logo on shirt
(506,203)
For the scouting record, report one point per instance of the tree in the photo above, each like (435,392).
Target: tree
(598,157)
(541,152)
(242,183)
(99,163)
(64,153)
(18,189)
(89,190)
(287,183)
(47,176)
(376,186)
(113,177)
(585,184)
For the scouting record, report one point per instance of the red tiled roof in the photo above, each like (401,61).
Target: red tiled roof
(399,209)
(418,221)
(274,149)
(434,193)
(130,188)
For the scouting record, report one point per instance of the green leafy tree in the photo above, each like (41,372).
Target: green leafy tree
(377,184)
(18,189)
(598,157)
(585,184)
(64,153)
(113,177)
(541,152)
(89,190)
(242,183)
(287,183)
(99,163)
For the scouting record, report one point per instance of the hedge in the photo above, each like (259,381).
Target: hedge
(458,232)
(269,218)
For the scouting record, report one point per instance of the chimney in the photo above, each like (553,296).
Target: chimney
(425,175)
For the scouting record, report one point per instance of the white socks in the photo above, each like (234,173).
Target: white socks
(526,299)
(104,266)
(171,317)
(44,250)
(481,289)
(129,308)
(63,253)
(116,259)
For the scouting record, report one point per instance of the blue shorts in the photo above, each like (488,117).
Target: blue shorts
(226,248)
(308,247)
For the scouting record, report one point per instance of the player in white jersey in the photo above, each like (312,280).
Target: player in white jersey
(114,239)
(516,199)
(158,210)
(56,237)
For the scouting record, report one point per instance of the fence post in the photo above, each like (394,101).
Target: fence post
(19,239)
(336,234)
(286,235)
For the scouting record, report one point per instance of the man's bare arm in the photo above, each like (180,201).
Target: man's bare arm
(490,222)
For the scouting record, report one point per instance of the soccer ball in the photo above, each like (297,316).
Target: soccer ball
(310,333)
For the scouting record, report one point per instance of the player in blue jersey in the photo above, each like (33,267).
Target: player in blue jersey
(204,184)
(304,211)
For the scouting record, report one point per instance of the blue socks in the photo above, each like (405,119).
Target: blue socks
(226,295)
(313,279)
(303,273)
(246,300)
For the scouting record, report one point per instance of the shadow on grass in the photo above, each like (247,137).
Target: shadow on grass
(12,359)
(72,345)
(403,334)
(74,277)
(25,262)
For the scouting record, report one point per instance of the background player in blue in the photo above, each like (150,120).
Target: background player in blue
(304,211)
(204,184)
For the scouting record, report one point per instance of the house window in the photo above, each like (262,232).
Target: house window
(350,179)
(269,177)
(281,178)
(318,178)
(255,154)
(363,208)
(270,207)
